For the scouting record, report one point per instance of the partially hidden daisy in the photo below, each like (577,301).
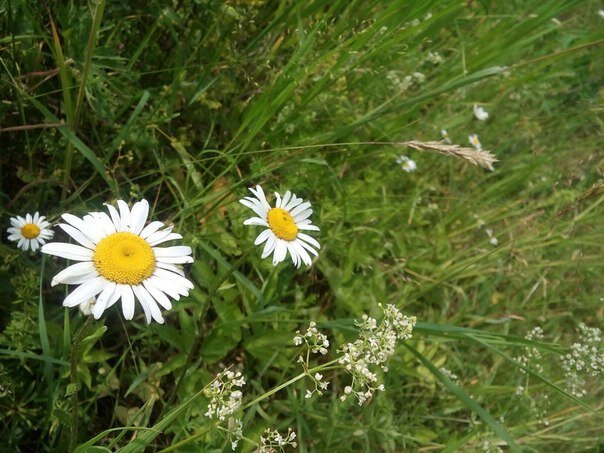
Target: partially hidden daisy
(284,225)
(473,139)
(118,258)
(30,232)
(406,163)
(480,113)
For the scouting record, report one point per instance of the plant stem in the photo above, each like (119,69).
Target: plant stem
(200,323)
(80,334)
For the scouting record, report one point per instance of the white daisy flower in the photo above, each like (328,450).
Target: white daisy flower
(445,136)
(406,163)
(473,138)
(284,223)
(480,113)
(30,232)
(119,259)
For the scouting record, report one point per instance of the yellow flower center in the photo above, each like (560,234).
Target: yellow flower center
(282,224)
(30,231)
(124,258)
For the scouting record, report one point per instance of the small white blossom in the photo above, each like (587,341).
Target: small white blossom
(224,401)
(480,113)
(316,341)
(445,136)
(473,138)
(271,441)
(406,163)
(601,13)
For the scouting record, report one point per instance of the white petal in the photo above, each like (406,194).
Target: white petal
(28,218)
(106,295)
(177,250)
(69,251)
(158,295)
(254,205)
(293,253)
(87,228)
(145,298)
(36,217)
(159,235)
(299,209)
(260,195)
(115,217)
(169,237)
(20,243)
(308,227)
(255,221)
(15,237)
(125,222)
(33,243)
(138,217)
(280,252)
(263,237)
(303,253)
(286,199)
(170,267)
(311,240)
(127,299)
(160,285)
(172,277)
(307,247)
(75,274)
(85,291)
(150,229)
(105,224)
(269,246)
(302,215)
(278,201)
(77,235)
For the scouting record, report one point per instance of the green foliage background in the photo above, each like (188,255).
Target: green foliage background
(189,103)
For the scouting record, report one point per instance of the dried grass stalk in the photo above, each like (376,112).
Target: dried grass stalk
(480,157)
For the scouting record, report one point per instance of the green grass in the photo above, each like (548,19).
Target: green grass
(187,104)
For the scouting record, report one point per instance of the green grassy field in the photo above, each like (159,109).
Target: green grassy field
(188,104)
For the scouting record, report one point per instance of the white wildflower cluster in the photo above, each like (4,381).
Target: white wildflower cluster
(374,346)
(492,239)
(235,428)
(224,399)
(316,342)
(406,82)
(532,356)
(449,374)
(320,384)
(434,58)
(585,358)
(272,441)
(406,163)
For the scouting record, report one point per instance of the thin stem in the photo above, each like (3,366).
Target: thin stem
(81,333)
(200,322)
(287,383)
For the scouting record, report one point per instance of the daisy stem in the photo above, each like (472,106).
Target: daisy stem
(80,334)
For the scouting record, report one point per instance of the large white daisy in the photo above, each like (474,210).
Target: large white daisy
(119,259)
(284,223)
(30,232)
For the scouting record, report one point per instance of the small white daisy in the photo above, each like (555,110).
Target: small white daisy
(284,223)
(445,136)
(30,232)
(119,259)
(480,113)
(406,163)
(473,138)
